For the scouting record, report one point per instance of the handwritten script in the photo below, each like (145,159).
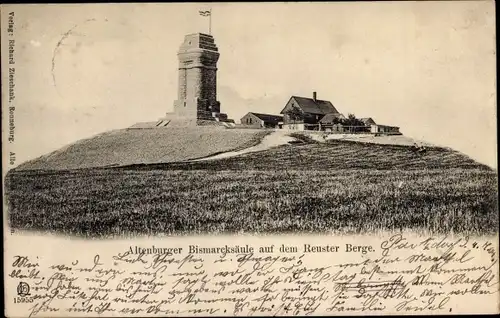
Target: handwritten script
(395,275)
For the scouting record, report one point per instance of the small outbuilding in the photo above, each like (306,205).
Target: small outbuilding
(393,130)
(368,121)
(258,120)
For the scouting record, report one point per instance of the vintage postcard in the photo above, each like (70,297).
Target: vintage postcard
(249,159)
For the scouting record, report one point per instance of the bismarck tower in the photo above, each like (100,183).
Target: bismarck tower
(196,102)
(197,92)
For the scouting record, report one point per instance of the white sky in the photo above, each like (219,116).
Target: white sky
(428,67)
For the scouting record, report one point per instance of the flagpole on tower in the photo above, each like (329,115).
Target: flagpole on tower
(208,13)
(210,22)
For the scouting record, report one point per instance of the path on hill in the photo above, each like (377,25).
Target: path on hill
(400,140)
(274,139)
(281,137)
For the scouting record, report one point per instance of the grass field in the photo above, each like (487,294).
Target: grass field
(335,187)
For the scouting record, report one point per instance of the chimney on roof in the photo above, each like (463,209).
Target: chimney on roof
(314,96)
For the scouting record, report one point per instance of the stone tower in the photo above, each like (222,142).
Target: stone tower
(197,92)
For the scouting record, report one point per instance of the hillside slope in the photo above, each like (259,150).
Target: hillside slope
(133,146)
(334,155)
(332,187)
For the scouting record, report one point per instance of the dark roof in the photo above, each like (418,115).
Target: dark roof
(328,118)
(321,107)
(268,117)
(368,120)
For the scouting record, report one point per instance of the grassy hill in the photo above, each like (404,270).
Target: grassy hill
(335,155)
(332,187)
(132,146)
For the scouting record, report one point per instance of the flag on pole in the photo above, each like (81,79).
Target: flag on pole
(207,13)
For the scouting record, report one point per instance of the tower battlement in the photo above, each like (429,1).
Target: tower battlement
(198,41)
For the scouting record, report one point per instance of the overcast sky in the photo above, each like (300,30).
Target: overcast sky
(427,67)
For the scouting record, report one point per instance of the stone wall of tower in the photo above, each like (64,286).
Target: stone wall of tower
(210,84)
(194,83)
(181,94)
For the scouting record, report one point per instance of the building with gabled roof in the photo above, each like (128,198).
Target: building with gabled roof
(259,120)
(332,118)
(368,121)
(303,113)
